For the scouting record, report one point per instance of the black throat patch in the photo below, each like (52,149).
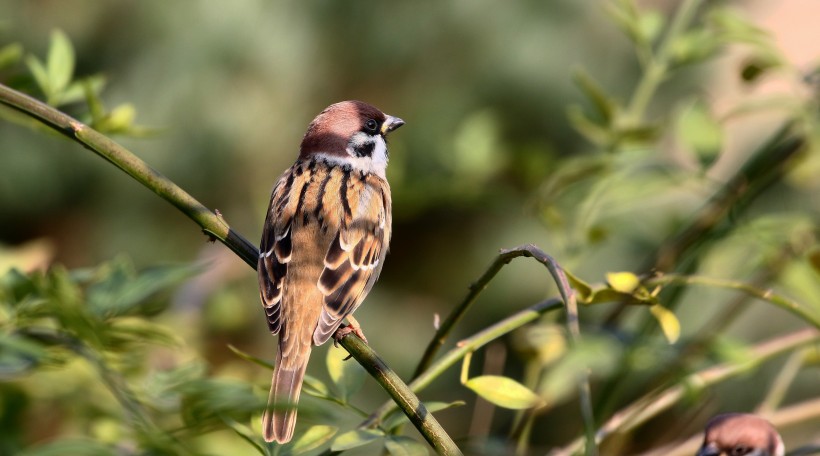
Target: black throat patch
(365,149)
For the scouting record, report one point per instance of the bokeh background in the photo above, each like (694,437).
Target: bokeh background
(488,159)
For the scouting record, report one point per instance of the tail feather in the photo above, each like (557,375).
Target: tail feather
(280,415)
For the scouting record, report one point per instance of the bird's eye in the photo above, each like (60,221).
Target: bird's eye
(371,125)
(740,450)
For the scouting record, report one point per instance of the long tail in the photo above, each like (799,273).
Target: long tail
(280,415)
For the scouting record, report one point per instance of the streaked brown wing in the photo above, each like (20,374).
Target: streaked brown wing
(355,256)
(275,250)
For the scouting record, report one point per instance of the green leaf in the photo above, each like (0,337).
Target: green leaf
(251,358)
(604,105)
(598,355)
(76,90)
(348,376)
(503,392)
(355,439)
(701,133)
(38,71)
(315,387)
(119,120)
(59,65)
(10,54)
(121,291)
(72,446)
(668,321)
(397,417)
(18,355)
(313,438)
(623,282)
(400,445)
(694,46)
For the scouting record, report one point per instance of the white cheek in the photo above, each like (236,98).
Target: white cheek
(376,163)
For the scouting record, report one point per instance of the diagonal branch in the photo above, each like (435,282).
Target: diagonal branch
(215,226)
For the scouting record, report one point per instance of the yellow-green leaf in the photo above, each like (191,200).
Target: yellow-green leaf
(348,376)
(401,445)
(624,282)
(668,321)
(313,438)
(503,392)
(355,438)
(60,62)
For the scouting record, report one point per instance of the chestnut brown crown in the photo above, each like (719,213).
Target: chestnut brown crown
(740,434)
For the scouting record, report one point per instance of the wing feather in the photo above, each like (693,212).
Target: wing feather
(354,258)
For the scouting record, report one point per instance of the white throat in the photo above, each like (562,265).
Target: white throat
(376,163)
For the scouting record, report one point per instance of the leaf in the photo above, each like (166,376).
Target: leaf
(121,291)
(701,133)
(355,439)
(38,71)
(400,445)
(503,392)
(119,120)
(313,438)
(59,65)
(623,282)
(605,106)
(246,434)
(694,46)
(76,90)
(251,358)
(348,376)
(10,54)
(315,387)
(668,321)
(397,417)
(72,446)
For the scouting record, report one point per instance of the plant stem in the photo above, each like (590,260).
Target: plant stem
(215,226)
(652,404)
(403,396)
(658,64)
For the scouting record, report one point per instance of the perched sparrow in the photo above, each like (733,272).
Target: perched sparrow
(323,244)
(740,434)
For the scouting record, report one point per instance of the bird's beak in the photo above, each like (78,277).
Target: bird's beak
(391,124)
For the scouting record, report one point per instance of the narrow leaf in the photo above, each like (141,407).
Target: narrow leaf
(10,54)
(312,439)
(355,439)
(668,321)
(397,417)
(348,376)
(503,392)
(401,445)
(59,64)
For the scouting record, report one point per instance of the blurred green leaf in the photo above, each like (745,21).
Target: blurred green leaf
(701,133)
(18,355)
(503,392)
(694,46)
(59,65)
(594,133)
(123,291)
(348,376)
(355,439)
(315,387)
(401,445)
(397,417)
(604,105)
(71,447)
(40,74)
(10,54)
(204,402)
(598,355)
(251,358)
(246,434)
(119,120)
(313,438)
(76,90)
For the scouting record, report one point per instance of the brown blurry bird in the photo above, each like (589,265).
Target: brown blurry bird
(323,245)
(740,434)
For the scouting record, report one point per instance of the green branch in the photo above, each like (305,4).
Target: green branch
(213,225)
(571,305)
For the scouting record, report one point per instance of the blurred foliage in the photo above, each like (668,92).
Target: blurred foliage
(600,131)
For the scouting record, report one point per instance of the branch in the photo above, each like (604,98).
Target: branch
(215,226)
(503,258)
(652,404)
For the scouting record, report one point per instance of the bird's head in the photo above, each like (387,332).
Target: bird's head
(350,133)
(740,434)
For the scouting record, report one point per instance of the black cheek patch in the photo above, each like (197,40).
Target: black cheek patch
(364,150)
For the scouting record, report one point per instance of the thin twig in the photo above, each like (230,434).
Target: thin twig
(652,404)
(503,258)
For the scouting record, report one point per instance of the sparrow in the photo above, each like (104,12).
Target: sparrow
(740,434)
(323,245)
